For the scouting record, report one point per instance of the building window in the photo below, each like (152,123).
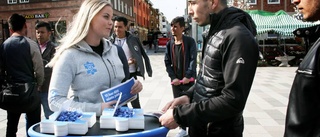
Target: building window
(24,1)
(12,1)
(115,4)
(59,28)
(122,7)
(125,9)
(252,2)
(130,11)
(273,1)
(119,5)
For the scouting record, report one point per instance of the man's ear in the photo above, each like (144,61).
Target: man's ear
(213,3)
(11,31)
(25,26)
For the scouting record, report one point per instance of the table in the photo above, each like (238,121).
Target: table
(152,129)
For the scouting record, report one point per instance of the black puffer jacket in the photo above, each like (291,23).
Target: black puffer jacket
(227,69)
(303,112)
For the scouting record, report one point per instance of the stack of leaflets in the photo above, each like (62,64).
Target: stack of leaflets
(121,92)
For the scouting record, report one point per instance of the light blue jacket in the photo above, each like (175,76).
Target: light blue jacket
(82,74)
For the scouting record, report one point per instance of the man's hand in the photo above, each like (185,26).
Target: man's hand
(167,120)
(39,88)
(137,87)
(175,102)
(185,80)
(175,82)
(131,61)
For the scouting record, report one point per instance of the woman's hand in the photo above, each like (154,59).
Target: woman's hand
(108,104)
(137,87)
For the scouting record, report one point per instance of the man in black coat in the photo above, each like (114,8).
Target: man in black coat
(21,60)
(213,106)
(303,112)
(47,47)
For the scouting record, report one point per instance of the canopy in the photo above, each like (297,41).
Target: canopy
(279,22)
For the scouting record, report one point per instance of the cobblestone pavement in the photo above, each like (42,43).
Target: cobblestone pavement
(264,112)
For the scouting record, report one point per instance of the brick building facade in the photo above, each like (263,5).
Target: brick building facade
(61,11)
(40,10)
(266,5)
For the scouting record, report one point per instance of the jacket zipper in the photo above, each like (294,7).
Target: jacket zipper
(108,71)
(113,68)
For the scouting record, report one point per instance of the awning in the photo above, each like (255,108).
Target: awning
(279,22)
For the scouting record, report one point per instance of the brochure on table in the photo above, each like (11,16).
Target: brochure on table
(114,93)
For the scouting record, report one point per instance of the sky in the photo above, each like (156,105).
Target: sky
(170,8)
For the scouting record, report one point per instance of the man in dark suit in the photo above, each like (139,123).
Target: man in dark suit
(47,47)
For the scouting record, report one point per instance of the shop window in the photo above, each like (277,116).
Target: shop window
(12,1)
(59,28)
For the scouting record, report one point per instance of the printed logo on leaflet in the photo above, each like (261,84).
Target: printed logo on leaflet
(89,66)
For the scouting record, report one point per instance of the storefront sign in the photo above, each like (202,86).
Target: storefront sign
(37,16)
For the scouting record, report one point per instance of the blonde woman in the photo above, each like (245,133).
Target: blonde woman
(86,63)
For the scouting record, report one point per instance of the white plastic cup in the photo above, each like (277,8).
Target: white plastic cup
(60,129)
(122,124)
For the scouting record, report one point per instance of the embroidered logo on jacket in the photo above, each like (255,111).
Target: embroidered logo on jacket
(240,61)
(89,66)
(136,48)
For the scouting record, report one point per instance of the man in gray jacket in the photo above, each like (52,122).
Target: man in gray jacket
(133,50)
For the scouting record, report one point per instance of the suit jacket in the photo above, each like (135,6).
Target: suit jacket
(47,55)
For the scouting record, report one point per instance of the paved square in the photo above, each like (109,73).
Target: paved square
(264,112)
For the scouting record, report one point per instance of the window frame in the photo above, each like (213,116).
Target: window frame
(251,3)
(12,1)
(269,2)
(24,1)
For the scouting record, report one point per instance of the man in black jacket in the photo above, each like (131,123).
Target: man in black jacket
(181,61)
(303,112)
(213,107)
(21,59)
(134,51)
(47,47)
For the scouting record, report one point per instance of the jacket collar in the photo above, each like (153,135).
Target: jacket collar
(84,46)
(229,15)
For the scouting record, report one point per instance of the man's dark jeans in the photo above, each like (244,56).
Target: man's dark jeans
(135,103)
(32,117)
